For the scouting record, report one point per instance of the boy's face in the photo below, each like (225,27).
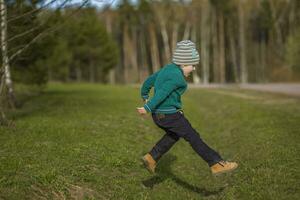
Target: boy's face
(187,69)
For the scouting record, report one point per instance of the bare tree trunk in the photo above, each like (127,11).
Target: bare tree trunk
(143,65)
(196,78)
(242,42)
(108,24)
(154,48)
(112,76)
(3,119)
(78,73)
(263,59)
(233,52)
(91,72)
(255,47)
(187,31)
(292,16)
(175,35)
(5,59)
(133,56)
(205,40)
(125,53)
(165,37)
(221,48)
(214,34)
(276,20)
(293,23)
(130,56)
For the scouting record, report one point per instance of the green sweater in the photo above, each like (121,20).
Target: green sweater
(169,84)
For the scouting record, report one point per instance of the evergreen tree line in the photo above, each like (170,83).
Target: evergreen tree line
(74,46)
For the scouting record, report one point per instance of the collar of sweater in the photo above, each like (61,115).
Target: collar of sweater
(178,67)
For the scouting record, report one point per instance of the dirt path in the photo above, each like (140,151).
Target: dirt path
(292,89)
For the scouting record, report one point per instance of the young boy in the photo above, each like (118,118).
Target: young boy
(169,84)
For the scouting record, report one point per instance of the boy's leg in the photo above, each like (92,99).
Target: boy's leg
(186,131)
(163,145)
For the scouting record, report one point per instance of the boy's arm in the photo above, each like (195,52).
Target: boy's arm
(161,94)
(147,85)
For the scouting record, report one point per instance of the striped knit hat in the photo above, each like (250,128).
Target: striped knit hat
(185,53)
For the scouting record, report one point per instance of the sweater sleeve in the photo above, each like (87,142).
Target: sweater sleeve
(169,85)
(147,85)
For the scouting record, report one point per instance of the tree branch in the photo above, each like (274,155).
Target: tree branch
(32,11)
(36,27)
(46,32)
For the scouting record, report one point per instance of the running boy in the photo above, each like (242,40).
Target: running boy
(165,106)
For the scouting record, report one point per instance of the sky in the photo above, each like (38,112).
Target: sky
(97,3)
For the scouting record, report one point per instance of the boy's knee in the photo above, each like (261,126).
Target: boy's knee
(191,136)
(174,137)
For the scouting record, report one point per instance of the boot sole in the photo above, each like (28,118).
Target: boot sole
(146,164)
(225,171)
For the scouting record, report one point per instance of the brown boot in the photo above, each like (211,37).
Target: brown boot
(223,166)
(149,162)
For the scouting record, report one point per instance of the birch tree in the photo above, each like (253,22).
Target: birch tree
(242,41)
(205,40)
(6,81)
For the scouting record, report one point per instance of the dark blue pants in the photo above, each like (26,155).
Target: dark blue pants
(177,126)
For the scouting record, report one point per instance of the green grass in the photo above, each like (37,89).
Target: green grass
(82,141)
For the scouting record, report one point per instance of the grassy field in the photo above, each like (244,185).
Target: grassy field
(85,142)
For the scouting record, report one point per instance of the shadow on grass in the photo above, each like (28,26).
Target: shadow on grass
(164,173)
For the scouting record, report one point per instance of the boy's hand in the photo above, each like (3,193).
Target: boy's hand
(141,110)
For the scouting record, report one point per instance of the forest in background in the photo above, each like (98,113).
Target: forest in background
(239,41)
